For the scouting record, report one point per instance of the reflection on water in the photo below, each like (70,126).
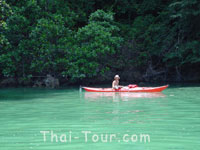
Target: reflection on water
(124,96)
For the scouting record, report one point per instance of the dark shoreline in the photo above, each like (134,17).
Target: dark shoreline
(103,84)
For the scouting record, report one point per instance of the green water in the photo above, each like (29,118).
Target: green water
(170,119)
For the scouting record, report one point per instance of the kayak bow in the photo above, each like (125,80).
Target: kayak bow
(127,89)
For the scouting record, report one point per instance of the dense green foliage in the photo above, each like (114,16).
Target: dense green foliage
(84,39)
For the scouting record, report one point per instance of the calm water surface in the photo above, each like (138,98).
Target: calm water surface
(171,119)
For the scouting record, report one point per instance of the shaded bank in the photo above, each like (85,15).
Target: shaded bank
(53,82)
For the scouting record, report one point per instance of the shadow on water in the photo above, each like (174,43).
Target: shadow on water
(20,94)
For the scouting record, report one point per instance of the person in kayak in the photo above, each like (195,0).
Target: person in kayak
(115,83)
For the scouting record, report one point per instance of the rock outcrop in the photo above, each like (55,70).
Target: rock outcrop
(51,82)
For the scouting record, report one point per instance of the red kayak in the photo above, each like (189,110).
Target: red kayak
(127,89)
